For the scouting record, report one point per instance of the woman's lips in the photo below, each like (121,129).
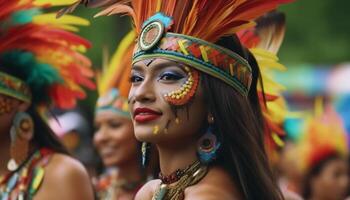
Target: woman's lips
(143,115)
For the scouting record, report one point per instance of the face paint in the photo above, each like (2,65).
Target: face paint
(155,129)
(149,86)
(183,95)
(148,62)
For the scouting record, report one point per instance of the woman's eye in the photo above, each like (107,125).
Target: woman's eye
(114,124)
(135,78)
(171,76)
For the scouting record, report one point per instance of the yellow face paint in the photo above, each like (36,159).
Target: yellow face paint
(156,130)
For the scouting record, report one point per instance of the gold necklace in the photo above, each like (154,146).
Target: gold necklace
(192,175)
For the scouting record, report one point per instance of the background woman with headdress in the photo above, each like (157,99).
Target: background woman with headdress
(114,134)
(194,95)
(39,66)
(323,157)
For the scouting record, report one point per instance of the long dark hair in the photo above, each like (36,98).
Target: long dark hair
(239,127)
(43,135)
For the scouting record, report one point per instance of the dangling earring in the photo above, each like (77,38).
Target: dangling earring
(145,154)
(21,132)
(208,144)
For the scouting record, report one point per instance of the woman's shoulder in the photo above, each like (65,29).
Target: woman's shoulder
(63,166)
(217,184)
(62,175)
(147,190)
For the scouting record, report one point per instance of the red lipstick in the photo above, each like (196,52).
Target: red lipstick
(143,115)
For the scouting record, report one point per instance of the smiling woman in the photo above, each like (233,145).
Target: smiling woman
(194,95)
(151,85)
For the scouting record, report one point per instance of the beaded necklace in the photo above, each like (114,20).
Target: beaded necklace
(189,176)
(26,180)
(109,188)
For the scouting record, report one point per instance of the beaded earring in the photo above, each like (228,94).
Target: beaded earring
(145,154)
(208,144)
(22,131)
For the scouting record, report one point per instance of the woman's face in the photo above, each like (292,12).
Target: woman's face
(114,139)
(332,182)
(155,119)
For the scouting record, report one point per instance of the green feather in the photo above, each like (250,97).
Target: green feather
(38,76)
(24,16)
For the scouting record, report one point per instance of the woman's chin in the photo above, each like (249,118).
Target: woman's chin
(144,134)
(110,163)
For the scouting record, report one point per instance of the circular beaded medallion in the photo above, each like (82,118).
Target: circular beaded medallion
(150,35)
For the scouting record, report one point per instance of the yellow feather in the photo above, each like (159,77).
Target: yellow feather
(50,18)
(319,106)
(54,2)
(114,66)
(263,53)
(277,140)
(159,5)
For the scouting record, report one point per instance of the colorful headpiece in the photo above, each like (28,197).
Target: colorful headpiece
(323,136)
(43,58)
(186,31)
(318,136)
(113,84)
(264,41)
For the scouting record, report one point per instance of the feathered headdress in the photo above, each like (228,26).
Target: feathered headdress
(264,41)
(113,82)
(186,31)
(40,60)
(321,134)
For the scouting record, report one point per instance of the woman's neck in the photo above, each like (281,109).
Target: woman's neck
(129,172)
(179,157)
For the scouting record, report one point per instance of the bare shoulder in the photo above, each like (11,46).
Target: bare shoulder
(217,184)
(65,178)
(147,190)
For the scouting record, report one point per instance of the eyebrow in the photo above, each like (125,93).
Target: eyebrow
(159,66)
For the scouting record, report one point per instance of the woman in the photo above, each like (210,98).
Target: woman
(324,158)
(194,95)
(37,69)
(197,101)
(114,135)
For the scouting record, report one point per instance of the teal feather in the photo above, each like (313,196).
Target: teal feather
(167,21)
(24,16)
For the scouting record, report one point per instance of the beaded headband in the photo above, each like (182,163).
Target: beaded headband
(14,87)
(207,57)
(114,102)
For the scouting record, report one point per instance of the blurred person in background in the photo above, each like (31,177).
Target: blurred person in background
(114,134)
(290,176)
(38,65)
(323,153)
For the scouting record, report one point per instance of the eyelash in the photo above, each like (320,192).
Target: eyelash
(166,76)
(135,78)
(171,76)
